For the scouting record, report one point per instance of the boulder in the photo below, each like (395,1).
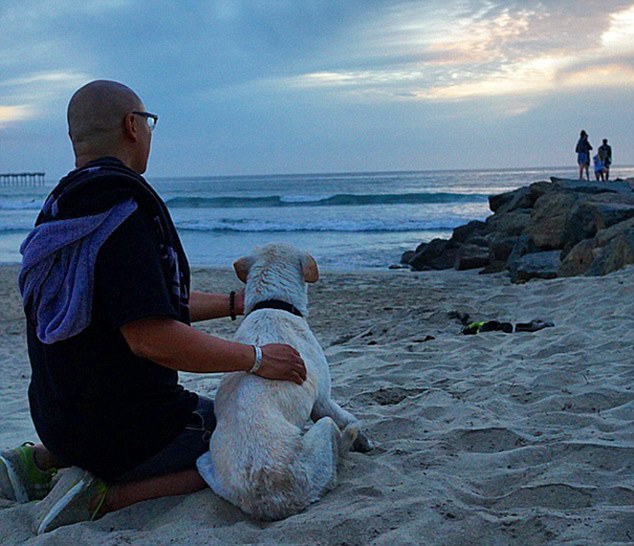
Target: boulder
(618,253)
(471,257)
(479,241)
(522,198)
(500,246)
(600,249)
(420,248)
(579,259)
(536,265)
(407,256)
(593,186)
(549,218)
(437,254)
(535,191)
(463,234)
(495,266)
(563,227)
(522,246)
(496,202)
(509,223)
(587,218)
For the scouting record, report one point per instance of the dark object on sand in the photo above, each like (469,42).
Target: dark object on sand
(476,327)
(461,317)
(533,325)
(488,326)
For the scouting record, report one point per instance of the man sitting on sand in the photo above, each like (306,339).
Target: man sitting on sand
(105,285)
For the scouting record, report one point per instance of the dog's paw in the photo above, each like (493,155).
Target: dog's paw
(348,437)
(362,443)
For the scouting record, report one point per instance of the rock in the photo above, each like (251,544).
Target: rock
(420,247)
(407,256)
(536,265)
(495,266)
(437,254)
(535,191)
(600,249)
(618,253)
(500,246)
(563,227)
(471,257)
(579,259)
(549,218)
(463,234)
(496,202)
(522,198)
(522,246)
(509,223)
(479,241)
(587,218)
(592,186)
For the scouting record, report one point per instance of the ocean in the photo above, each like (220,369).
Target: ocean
(347,221)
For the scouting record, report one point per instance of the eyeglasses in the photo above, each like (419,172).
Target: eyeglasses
(152,119)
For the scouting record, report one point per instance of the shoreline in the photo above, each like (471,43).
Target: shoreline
(493,438)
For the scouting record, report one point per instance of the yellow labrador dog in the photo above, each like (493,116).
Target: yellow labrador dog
(259,457)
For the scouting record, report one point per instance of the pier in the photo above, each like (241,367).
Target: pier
(21,179)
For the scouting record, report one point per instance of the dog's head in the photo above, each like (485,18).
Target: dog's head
(276,271)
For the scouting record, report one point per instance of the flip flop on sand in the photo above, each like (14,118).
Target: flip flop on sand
(533,325)
(477,327)
(487,326)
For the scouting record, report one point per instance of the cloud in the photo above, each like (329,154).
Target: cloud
(282,67)
(35,95)
(471,40)
(482,50)
(9,114)
(619,37)
(59,79)
(599,76)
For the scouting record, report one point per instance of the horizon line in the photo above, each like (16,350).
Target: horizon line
(404,171)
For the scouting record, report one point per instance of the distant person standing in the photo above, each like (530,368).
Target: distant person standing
(583,154)
(599,167)
(605,154)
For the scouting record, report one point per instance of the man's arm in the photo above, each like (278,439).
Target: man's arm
(204,306)
(180,347)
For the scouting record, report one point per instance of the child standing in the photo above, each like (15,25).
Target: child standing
(599,168)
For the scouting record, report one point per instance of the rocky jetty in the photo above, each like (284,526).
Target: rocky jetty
(560,228)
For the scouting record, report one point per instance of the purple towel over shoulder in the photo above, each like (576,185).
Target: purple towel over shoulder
(58,266)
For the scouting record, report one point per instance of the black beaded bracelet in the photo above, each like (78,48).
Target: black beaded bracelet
(232,305)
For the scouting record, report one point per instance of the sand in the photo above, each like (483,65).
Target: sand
(523,438)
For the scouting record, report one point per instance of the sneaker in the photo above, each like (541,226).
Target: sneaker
(70,500)
(20,478)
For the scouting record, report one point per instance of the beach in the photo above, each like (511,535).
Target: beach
(521,438)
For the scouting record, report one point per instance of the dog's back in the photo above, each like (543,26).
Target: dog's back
(259,457)
(256,450)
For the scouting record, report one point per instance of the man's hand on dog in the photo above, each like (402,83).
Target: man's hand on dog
(281,361)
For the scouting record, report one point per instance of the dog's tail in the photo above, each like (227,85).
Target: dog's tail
(277,491)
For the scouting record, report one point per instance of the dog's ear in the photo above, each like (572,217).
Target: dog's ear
(242,266)
(309,268)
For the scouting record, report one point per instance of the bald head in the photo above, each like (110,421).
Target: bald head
(96,111)
(98,121)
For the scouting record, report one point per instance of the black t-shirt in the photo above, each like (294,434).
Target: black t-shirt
(93,402)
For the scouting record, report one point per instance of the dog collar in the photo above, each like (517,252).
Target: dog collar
(277,304)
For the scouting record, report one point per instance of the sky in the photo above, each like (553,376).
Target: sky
(299,86)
